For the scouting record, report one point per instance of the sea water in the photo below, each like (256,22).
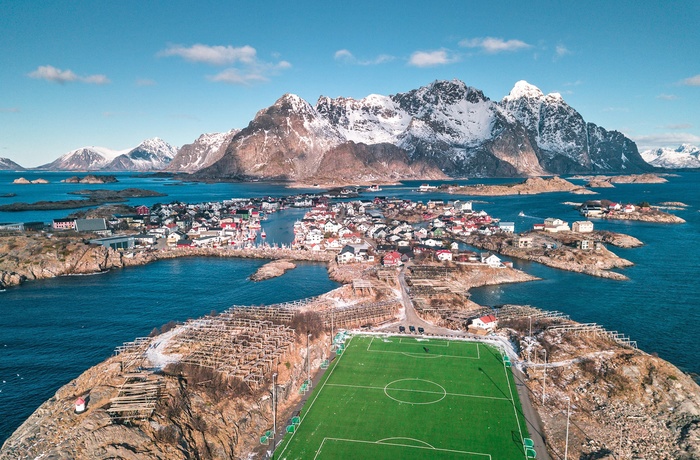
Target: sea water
(53,330)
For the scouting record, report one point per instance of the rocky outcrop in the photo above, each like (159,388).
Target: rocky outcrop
(39,257)
(91,179)
(530,186)
(198,415)
(272,270)
(596,262)
(24,181)
(624,403)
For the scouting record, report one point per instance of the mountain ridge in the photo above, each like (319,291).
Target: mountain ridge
(445,127)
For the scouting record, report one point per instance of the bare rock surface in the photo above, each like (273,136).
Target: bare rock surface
(272,270)
(531,186)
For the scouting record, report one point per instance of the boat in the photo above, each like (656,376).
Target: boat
(374,188)
(521,214)
(263,234)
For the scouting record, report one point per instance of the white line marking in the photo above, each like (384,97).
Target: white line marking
(366,387)
(320,390)
(400,445)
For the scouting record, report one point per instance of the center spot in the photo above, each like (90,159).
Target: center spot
(415,391)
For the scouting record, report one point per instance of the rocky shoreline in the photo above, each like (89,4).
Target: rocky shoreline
(596,262)
(94,198)
(24,257)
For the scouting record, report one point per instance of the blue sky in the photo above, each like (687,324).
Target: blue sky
(114,73)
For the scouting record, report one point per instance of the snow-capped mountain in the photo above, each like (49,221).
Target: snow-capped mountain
(203,152)
(685,156)
(151,155)
(445,126)
(84,159)
(8,165)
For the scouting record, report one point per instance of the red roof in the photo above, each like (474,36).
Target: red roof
(79,401)
(488,319)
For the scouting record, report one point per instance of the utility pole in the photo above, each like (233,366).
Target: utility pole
(568,415)
(530,318)
(544,377)
(274,413)
(308,358)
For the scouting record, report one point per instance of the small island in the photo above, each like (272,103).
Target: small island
(643,212)
(273,269)
(91,179)
(94,198)
(24,181)
(608,181)
(531,186)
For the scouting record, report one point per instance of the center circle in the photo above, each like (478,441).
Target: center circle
(415,391)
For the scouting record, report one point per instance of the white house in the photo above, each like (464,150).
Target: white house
(554,225)
(444,254)
(523,242)
(486,322)
(583,226)
(507,227)
(492,260)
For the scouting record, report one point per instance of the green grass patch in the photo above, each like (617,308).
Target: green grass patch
(398,397)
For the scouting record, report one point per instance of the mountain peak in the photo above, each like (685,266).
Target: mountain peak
(293,103)
(523,89)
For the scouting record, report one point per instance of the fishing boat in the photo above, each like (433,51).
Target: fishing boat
(263,234)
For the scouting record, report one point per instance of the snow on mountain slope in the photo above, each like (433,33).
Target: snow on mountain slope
(685,156)
(84,159)
(8,165)
(203,152)
(150,155)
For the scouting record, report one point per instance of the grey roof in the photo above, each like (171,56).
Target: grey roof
(90,225)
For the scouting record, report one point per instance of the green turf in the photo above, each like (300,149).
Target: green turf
(388,398)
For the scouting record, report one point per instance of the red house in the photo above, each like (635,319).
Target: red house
(143,210)
(391,259)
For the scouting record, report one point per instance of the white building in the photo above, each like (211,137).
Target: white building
(583,226)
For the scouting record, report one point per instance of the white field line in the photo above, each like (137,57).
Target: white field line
(412,341)
(320,390)
(418,391)
(400,445)
(432,355)
(515,410)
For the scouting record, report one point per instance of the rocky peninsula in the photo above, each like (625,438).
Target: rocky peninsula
(550,250)
(531,186)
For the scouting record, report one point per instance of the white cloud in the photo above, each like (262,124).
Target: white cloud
(213,55)
(9,110)
(430,58)
(344,55)
(51,73)
(347,57)
(692,81)
(561,51)
(237,77)
(145,82)
(667,97)
(655,141)
(493,45)
(679,126)
(244,66)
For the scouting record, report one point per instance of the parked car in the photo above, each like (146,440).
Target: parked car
(421,330)
(402,329)
(412,329)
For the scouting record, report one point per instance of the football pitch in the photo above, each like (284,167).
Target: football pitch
(411,398)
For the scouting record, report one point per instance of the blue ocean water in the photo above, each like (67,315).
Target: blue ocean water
(53,330)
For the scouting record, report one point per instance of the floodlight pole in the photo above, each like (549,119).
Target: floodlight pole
(568,415)
(544,377)
(308,359)
(274,413)
(530,318)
